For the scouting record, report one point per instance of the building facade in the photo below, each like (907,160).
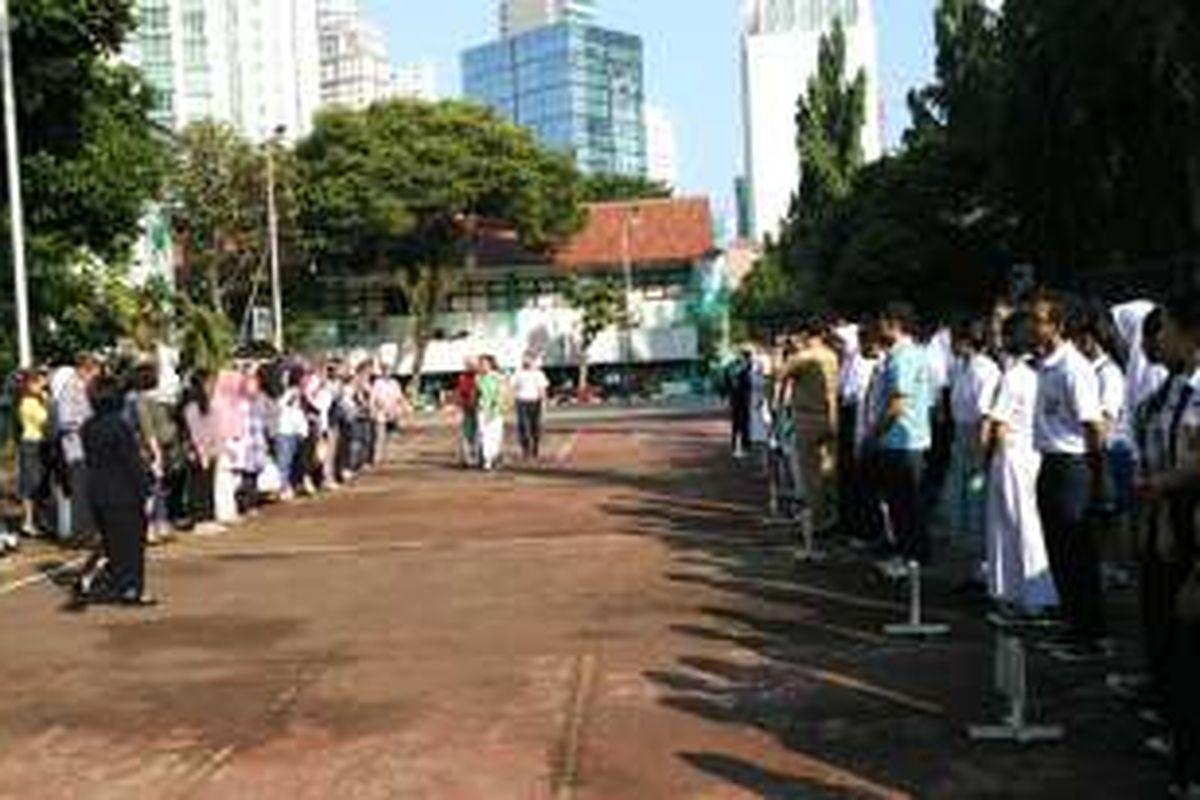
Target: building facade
(579,88)
(519,16)
(780,43)
(515,302)
(417,81)
(253,65)
(355,69)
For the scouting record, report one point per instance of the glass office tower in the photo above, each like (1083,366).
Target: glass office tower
(577,87)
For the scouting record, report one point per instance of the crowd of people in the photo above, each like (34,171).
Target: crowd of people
(1052,446)
(107,458)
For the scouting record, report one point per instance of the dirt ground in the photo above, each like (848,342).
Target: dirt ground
(615,622)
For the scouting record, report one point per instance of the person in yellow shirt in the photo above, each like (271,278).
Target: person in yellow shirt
(33,415)
(813,377)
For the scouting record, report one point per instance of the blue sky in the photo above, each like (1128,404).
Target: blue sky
(691,64)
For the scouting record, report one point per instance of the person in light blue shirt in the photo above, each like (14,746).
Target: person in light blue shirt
(902,438)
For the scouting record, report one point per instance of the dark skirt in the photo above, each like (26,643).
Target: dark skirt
(31,470)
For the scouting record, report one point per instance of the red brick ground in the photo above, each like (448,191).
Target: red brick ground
(616,623)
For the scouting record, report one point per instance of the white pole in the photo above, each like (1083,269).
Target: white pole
(273,223)
(16,208)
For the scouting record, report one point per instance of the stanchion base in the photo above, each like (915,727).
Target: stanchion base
(810,556)
(922,631)
(1021,734)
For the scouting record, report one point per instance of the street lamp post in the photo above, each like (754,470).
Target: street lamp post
(629,222)
(273,226)
(16,208)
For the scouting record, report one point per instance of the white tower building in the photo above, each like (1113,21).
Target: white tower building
(355,69)
(780,42)
(254,65)
(417,80)
(661,148)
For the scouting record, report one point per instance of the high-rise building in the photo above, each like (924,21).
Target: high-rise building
(254,65)
(355,69)
(780,42)
(577,87)
(661,150)
(417,80)
(519,16)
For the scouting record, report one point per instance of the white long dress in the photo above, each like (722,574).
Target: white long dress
(1018,567)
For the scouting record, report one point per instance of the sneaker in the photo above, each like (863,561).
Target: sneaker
(1080,653)
(1158,746)
(893,568)
(1129,686)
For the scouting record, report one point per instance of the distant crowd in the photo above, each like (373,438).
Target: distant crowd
(111,459)
(1052,446)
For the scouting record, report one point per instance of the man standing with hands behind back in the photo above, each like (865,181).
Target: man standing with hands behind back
(1069,433)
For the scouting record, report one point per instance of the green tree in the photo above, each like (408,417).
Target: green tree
(399,187)
(218,187)
(90,161)
(607,186)
(829,122)
(601,305)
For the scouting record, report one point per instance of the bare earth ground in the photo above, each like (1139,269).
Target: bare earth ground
(616,623)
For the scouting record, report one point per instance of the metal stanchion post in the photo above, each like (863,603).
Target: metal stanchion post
(1011,682)
(915,627)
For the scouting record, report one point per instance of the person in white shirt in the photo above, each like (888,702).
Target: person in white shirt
(1097,337)
(530,386)
(1018,569)
(974,379)
(1069,433)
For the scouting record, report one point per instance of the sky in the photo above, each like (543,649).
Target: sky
(692,66)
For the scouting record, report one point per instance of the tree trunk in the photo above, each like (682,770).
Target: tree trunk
(582,388)
(421,339)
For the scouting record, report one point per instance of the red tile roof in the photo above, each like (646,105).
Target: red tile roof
(674,230)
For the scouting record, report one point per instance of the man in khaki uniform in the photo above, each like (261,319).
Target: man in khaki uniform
(813,377)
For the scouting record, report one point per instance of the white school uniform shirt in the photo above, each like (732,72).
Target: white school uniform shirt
(973,389)
(1112,397)
(1015,405)
(850,354)
(941,363)
(870,405)
(1068,400)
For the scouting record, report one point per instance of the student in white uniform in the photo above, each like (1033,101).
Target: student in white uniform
(972,391)
(1069,433)
(1018,568)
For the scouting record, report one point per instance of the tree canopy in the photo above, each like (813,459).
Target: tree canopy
(90,158)
(1063,140)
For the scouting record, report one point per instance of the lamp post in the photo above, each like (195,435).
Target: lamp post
(273,228)
(630,220)
(16,208)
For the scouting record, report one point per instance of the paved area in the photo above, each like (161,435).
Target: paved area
(614,623)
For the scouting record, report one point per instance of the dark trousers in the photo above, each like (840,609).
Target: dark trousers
(1064,487)
(123,532)
(83,522)
(1182,703)
(900,475)
(849,488)
(529,427)
(937,460)
(200,492)
(739,411)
